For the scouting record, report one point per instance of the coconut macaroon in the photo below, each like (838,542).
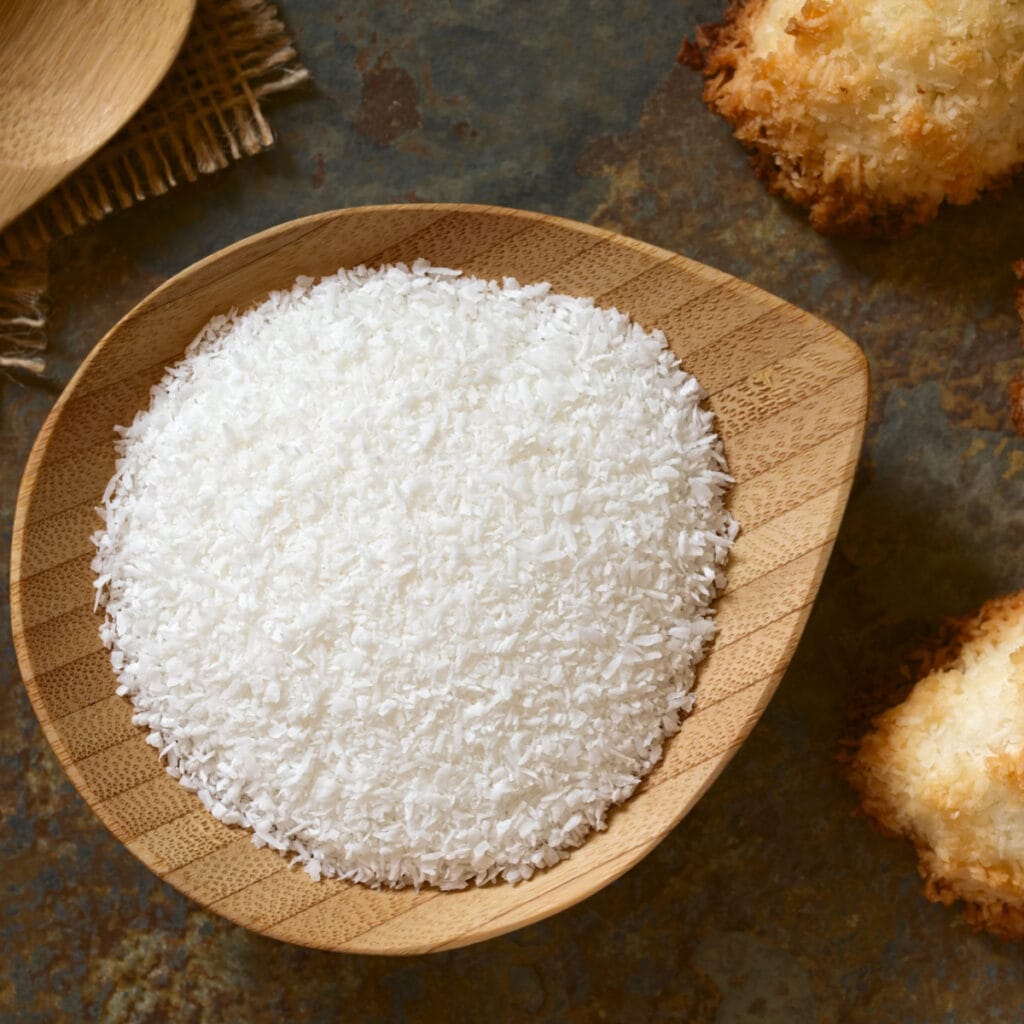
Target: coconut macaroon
(946,769)
(871,113)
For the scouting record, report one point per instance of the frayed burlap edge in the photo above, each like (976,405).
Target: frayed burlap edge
(204,115)
(23,314)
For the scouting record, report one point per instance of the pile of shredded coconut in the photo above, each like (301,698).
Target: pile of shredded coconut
(408,572)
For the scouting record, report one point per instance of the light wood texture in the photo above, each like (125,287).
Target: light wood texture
(790,395)
(72,72)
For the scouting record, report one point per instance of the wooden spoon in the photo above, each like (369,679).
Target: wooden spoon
(789,393)
(72,72)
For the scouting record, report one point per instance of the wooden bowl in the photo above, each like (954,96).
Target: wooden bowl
(72,72)
(789,392)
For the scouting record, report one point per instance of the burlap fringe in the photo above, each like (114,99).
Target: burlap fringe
(204,115)
(23,314)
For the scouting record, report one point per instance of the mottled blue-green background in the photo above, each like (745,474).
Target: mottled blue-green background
(770,902)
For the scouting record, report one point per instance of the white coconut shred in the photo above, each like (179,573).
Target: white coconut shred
(408,572)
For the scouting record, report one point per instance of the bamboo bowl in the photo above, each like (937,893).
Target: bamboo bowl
(790,395)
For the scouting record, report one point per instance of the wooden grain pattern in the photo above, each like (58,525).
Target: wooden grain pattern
(790,396)
(72,72)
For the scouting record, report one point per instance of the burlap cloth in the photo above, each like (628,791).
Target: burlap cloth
(205,114)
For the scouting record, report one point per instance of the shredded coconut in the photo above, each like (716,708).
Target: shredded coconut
(408,572)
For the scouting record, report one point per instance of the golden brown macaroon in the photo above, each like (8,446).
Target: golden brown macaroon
(870,112)
(945,768)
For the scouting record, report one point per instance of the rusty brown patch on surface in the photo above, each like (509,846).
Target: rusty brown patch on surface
(1017,384)
(390,103)
(319,175)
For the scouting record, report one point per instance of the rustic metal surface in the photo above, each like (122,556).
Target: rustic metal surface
(771,902)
